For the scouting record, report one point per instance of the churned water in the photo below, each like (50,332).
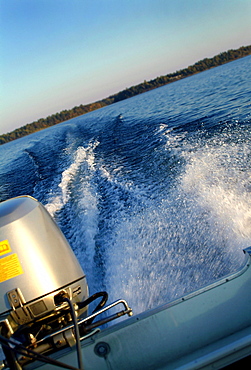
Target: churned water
(154,192)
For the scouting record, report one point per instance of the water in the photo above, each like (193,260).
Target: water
(153,193)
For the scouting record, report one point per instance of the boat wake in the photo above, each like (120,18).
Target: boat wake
(151,241)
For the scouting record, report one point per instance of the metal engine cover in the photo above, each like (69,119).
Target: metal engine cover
(36,260)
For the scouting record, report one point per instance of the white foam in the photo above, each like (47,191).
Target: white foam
(194,236)
(82,154)
(219,189)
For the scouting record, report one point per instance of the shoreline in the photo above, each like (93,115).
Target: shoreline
(65,115)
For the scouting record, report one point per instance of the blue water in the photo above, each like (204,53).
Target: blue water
(154,192)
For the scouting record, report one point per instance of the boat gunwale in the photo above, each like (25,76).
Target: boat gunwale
(145,314)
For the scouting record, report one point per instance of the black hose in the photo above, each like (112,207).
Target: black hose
(92,298)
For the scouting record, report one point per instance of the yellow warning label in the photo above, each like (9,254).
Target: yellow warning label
(10,267)
(4,247)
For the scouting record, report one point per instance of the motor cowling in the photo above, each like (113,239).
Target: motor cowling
(37,265)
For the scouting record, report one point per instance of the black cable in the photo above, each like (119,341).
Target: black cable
(92,298)
(102,302)
(75,323)
(27,352)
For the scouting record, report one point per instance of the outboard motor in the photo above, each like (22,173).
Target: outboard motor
(43,287)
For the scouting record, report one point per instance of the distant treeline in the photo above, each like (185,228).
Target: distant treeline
(65,115)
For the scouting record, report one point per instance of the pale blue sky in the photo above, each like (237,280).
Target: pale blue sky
(56,54)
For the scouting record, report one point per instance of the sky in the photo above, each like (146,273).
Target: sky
(58,54)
